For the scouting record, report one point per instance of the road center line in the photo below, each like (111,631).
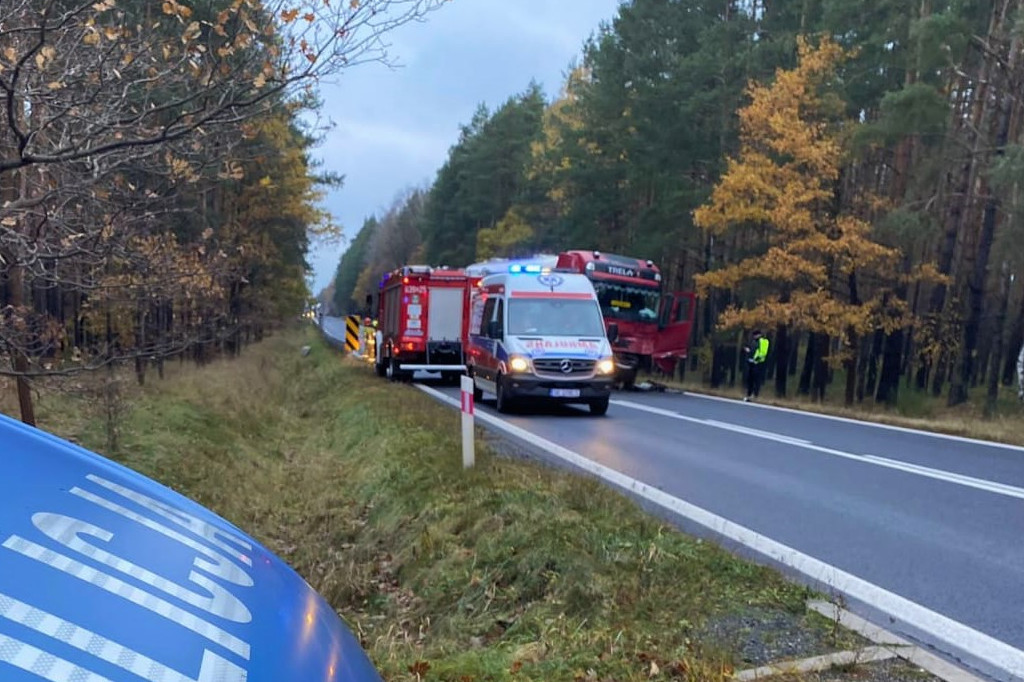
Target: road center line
(956,635)
(906,467)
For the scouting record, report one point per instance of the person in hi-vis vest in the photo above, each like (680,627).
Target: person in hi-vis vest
(757,353)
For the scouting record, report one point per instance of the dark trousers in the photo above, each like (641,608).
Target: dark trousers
(755,378)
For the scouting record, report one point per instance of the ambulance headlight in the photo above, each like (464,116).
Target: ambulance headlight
(605,366)
(518,364)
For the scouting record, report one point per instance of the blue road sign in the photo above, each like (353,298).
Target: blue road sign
(107,575)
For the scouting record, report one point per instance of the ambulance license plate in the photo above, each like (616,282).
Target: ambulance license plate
(565,393)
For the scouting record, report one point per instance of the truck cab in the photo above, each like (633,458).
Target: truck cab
(536,334)
(652,326)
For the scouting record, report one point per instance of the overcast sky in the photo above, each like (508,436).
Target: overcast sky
(393,127)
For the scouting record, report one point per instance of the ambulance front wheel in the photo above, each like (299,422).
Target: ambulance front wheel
(478,393)
(502,401)
(599,407)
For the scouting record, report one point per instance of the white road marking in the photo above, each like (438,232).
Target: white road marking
(860,422)
(906,467)
(956,635)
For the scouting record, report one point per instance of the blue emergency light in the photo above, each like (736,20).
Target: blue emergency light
(106,575)
(518,269)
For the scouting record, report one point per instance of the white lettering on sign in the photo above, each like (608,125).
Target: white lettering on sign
(66,531)
(220,566)
(561,343)
(201,528)
(42,663)
(212,669)
(625,272)
(128,592)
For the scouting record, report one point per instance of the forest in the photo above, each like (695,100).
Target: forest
(845,175)
(158,195)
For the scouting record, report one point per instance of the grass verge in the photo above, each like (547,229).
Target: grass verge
(509,571)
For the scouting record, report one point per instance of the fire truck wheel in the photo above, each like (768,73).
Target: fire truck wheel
(599,407)
(501,401)
(394,374)
(380,368)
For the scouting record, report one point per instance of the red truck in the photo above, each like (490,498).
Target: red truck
(422,314)
(653,325)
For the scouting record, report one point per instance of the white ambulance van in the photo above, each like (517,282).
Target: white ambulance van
(536,334)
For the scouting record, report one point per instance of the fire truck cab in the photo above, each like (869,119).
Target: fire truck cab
(535,333)
(421,319)
(651,326)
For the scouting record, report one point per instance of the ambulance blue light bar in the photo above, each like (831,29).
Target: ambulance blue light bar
(519,269)
(108,576)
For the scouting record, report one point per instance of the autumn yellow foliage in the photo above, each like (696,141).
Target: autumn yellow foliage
(780,198)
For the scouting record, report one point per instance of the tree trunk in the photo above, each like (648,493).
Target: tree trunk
(853,347)
(961,198)
(804,387)
(978,275)
(871,381)
(992,394)
(821,373)
(850,363)
(781,360)
(20,360)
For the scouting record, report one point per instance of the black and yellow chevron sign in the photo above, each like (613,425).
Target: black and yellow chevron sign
(352,333)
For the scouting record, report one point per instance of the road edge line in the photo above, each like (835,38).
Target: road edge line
(860,422)
(897,645)
(954,634)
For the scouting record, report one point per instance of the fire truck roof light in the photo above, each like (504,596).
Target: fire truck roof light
(650,263)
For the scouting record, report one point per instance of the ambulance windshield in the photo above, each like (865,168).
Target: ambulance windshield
(554,317)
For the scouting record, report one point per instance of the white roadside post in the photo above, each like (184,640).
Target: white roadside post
(468,454)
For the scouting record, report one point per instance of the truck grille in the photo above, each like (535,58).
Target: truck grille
(565,367)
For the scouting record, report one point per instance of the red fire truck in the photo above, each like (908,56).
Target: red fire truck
(422,315)
(653,325)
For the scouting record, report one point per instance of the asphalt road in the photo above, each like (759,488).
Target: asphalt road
(936,520)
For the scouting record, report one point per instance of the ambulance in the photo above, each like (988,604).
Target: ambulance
(535,333)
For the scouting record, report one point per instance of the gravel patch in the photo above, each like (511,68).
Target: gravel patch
(762,636)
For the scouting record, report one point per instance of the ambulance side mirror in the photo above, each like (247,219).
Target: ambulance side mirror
(613,332)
